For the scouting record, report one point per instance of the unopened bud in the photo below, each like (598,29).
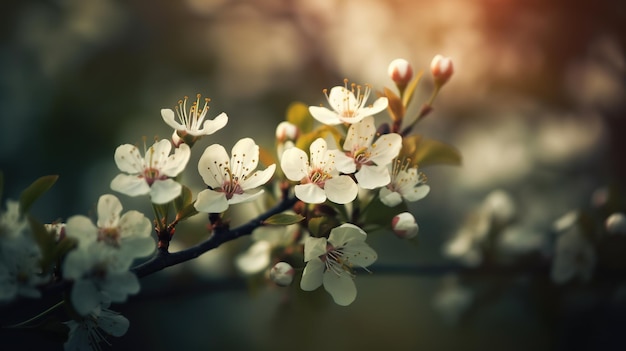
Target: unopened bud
(442,69)
(616,223)
(404,225)
(286,131)
(176,140)
(282,274)
(401,72)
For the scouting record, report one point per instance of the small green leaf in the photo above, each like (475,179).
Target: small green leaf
(186,212)
(321,226)
(298,114)
(283,219)
(425,152)
(433,152)
(410,89)
(35,190)
(185,198)
(395,107)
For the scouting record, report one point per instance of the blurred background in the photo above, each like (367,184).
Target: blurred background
(536,107)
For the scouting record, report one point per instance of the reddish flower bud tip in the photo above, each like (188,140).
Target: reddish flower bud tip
(441,67)
(404,225)
(286,131)
(400,71)
(282,274)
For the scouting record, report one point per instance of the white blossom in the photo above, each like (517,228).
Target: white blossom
(331,262)
(348,105)
(406,184)
(20,270)
(366,157)
(193,123)
(319,178)
(151,174)
(230,180)
(94,328)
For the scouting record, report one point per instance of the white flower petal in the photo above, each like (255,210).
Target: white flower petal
(245,197)
(156,155)
(343,162)
(245,157)
(310,193)
(378,106)
(360,134)
(169,117)
(372,177)
(295,164)
(85,296)
(341,287)
(130,185)
(211,201)
(385,149)
(109,210)
(324,115)
(417,193)
(255,259)
(211,126)
(390,198)
(318,152)
(312,275)
(341,189)
(134,224)
(81,228)
(137,247)
(113,323)
(176,162)
(128,159)
(211,165)
(164,191)
(314,247)
(346,233)
(258,178)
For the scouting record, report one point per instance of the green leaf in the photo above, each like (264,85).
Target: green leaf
(283,219)
(35,190)
(321,226)
(305,140)
(186,212)
(426,152)
(50,250)
(410,89)
(298,114)
(381,214)
(185,198)
(395,107)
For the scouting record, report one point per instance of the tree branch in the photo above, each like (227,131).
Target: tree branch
(164,259)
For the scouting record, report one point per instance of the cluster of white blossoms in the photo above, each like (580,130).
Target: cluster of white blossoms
(337,165)
(20,271)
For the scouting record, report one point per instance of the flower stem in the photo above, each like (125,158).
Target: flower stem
(30,320)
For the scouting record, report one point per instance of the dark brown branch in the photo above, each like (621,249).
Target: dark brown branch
(164,259)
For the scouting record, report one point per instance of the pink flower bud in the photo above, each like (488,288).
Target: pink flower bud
(401,72)
(286,131)
(282,274)
(442,69)
(404,225)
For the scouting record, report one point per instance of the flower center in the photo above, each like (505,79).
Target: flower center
(354,99)
(151,174)
(317,176)
(231,185)
(196,114)
(109,236)
(335,261)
